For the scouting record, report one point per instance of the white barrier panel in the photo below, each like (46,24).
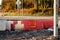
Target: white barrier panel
(2,25)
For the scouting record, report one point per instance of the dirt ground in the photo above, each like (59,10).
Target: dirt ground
(33,38)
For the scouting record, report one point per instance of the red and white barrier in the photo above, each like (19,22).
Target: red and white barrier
(29,24)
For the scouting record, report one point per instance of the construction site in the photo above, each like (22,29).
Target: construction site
(28,19)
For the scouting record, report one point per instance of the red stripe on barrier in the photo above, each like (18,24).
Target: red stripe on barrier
(12,26)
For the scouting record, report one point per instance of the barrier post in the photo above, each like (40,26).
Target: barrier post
(56,5)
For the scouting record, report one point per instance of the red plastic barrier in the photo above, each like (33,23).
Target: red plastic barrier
(32,24)
(35,24)
(48,24)
(40,24)
(26,23)
(12,26)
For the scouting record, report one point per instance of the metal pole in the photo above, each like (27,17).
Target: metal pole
(56,18)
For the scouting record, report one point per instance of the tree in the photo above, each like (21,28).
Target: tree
(37,5)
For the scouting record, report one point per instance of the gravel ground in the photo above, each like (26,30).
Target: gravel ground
(27,35)
(33,38)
